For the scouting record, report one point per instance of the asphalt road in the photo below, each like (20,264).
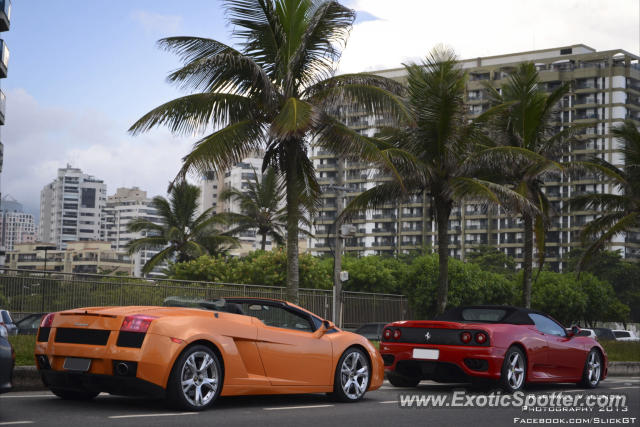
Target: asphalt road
(379,408)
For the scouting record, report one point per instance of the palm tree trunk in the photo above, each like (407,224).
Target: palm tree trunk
(293,272)
(528,260)
(443,211)
(263,242)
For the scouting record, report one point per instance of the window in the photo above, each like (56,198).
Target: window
(483,314)
(88,198)
(622,334)
(547,326)
(278,317)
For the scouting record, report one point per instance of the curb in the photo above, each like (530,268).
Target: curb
(623,369)
(27,378)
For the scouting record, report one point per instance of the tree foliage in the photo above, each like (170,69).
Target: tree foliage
(183,234)
(274,93)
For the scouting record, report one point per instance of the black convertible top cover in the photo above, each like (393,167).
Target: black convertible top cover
(512,315)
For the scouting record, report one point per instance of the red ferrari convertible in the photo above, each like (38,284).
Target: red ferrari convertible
(507,344)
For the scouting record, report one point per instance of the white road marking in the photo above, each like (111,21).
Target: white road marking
(622,388)
(297,407)
(170,414)
(389,401)
(11,423)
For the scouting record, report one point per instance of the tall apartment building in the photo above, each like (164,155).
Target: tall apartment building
(16,226)
(5,23)
(71,208)
(605,90)
(208,184)
(126,205)
(239,177)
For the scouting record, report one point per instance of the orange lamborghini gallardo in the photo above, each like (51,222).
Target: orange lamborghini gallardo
(190,352)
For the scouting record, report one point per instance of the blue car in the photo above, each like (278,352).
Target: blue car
(7,359)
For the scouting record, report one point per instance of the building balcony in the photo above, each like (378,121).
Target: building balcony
(5,15)
(4,59)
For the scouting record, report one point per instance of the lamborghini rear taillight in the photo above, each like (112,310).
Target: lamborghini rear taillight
(47,320)
(137,323)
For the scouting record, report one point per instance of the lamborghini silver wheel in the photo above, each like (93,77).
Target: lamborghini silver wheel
(199,378)
(354,375)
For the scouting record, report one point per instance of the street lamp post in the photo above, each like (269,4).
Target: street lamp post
(44,248)
(337,246)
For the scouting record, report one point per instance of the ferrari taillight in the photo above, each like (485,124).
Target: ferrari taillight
(136,323)
(387,334)
(465,337)
(47,320)
(397,334)
(481,338)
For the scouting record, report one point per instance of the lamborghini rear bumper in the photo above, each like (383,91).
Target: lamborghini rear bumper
(122,385)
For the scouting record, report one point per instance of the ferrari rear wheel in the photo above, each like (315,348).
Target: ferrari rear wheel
(592,370)
(195,381)
(352,376)
(74,394)
(514,370)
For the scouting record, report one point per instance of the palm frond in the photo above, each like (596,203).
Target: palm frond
(224,148)
(319,49)
(158,258)
(194,113)
(293,120)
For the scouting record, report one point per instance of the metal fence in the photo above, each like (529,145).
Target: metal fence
(23,291)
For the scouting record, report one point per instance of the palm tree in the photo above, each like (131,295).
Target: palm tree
(275,93)
(183,235)
(525,130)
(262,206)
(621,211)
(442,149)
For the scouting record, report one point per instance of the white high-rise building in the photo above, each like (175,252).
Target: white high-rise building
(126,205)
(604,91)
(208,184)
(239,177)
(71,208)
(16,226)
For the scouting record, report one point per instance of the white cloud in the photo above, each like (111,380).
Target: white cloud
(38,140)
(155,23)
(409,29)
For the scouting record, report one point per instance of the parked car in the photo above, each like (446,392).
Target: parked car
(587,333)
(510,345)
(604,334)
(7,360)
(7,321)
(29,324)
(194,351)
(622,335)
(371,331)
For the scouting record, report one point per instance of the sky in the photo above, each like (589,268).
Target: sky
(81,72)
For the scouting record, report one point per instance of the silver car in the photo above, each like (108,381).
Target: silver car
(7,359)
(7,321)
